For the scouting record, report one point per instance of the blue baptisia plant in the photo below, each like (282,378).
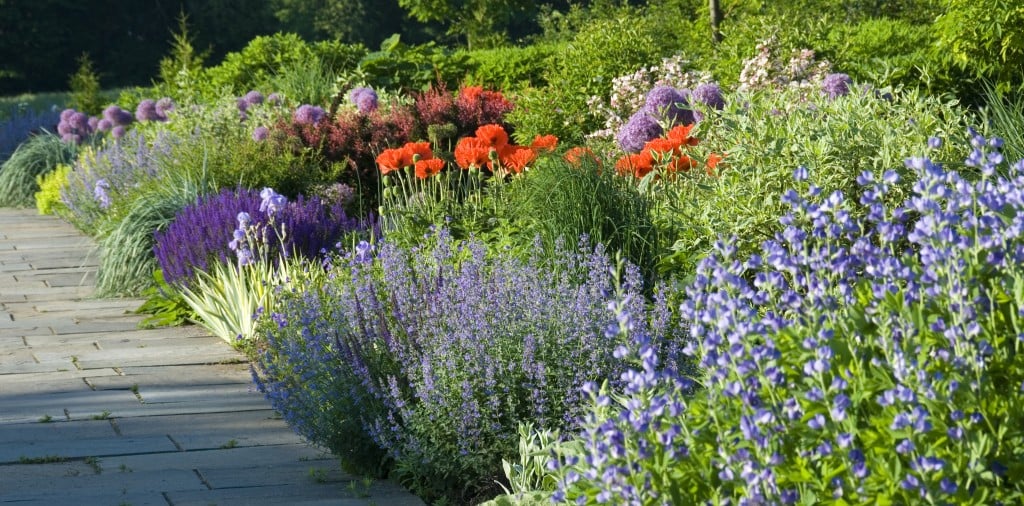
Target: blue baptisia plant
(870,354)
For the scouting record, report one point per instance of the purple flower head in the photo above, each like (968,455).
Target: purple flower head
(308,114)
(365,99)
(100,193)
(260,133)
(274,99)
(836,85)
(117,116)
(253,98)
(242,104)
(104,125)
(146,111)
(163,107)
(118,132)
(80,122)
(640,128)
(709,94)
(93,122)
(670,103)
(272,201)
(65,115)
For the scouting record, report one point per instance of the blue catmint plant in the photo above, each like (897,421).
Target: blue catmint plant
(435,354)
(870,353)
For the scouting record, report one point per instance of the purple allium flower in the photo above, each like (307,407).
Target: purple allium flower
(260,133)
(104,125)
(117,116)
(80,122)
(93,122)
(146,111)
(164,106)
(836,85)
(669,103)
(274,99)
(65,115)
(640,128)
(242,104)
(365,99)
(253,98)
(307,114)
(709,94)
(118,132)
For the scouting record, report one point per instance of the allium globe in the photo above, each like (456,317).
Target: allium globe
(709,94)
(365,99)
(308,114)
(640,128)
(253,98)
(164,106)
(836,85)
(260,134)
(670,103)
(117,132)
(146,111)
(117,116)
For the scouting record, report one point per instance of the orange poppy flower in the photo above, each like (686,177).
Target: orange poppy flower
(419,148)
(494,135)
(681,134)
(680,163)
(544,143)
(577,154)
(639,164)
(471,93)
(393,159)
(662,149)
(428,167)
(472,152)
(712,163)
(518,158)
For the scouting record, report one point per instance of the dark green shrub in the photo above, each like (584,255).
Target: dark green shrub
(266,56)
(511,68)
(585,67)
(404,67)
(889,52)
(85,88)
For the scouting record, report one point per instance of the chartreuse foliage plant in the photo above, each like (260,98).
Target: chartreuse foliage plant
(869,353)
(425,360)
(762,136)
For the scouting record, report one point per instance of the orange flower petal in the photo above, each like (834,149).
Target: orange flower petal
(544,143)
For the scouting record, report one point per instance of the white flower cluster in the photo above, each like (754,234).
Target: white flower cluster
(766,70)
(629,91)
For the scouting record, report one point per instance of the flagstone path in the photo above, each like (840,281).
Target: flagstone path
(94,410)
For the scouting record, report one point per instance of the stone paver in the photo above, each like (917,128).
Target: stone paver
(94,410)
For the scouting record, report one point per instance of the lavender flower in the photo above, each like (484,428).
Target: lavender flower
(100,193)
(308,114)
(836,85)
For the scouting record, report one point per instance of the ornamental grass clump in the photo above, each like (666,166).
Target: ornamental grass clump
(870,353)
(39,155)
(430,357)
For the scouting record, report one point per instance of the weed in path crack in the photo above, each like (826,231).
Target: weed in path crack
(94,463)
(48,459)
